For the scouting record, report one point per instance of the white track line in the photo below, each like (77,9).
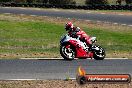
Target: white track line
(43,58)
(88,20)
(22,14)
(88,12)
(7,13)
(6,7)
(34,79)
(98,21)
(115,23)
(45,16)
(72,11)
(33,15)
(116,58)
(72,78)
(130,25)
(23,8)
(61,58)
(103,13)
(120,14)
(123,24)
(107,22)
(56,10)
(19,79)
(58,17)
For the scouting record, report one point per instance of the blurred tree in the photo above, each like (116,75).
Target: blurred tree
(62,2)
(119,2)
(19,1)
(128,1)
(29,1)
(94,2)
(42,1)
(6,0)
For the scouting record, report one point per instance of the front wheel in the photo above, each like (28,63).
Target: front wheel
(67,52)
(98,53)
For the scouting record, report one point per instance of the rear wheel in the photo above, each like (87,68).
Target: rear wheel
(99,53)
(67,51)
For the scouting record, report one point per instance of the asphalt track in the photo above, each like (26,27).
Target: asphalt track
(120,19)
(60,69)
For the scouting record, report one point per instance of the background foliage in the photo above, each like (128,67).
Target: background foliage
(71,1)
(93,2)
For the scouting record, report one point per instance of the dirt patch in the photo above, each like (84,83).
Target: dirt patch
(57,55)
(29,55)
(58,84)
(119,55)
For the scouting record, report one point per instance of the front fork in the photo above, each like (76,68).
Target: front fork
(68,48)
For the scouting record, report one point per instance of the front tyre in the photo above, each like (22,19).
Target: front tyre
(98,53)
(67,51)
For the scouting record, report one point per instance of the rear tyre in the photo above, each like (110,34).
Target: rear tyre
(99,53)
(67,53)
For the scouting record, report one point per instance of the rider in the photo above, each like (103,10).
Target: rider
(76,32)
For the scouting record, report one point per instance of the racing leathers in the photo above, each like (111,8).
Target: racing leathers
(76,32)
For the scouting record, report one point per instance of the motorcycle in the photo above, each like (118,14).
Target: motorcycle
(71,48)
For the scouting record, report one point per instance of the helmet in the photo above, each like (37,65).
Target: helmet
(69,26)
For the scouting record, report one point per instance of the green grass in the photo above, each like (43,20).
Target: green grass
(26,37)
(29,36)
(113,41)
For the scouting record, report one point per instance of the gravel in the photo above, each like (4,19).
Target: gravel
(59,84)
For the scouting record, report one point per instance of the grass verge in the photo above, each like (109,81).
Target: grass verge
(29,36)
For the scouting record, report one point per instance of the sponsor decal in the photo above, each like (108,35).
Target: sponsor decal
(83,78)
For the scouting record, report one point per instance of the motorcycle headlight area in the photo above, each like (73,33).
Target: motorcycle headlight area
(93,39)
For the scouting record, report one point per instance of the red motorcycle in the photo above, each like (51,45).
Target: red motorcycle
(71,48)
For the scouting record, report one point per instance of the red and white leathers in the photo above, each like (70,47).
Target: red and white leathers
(78,33)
